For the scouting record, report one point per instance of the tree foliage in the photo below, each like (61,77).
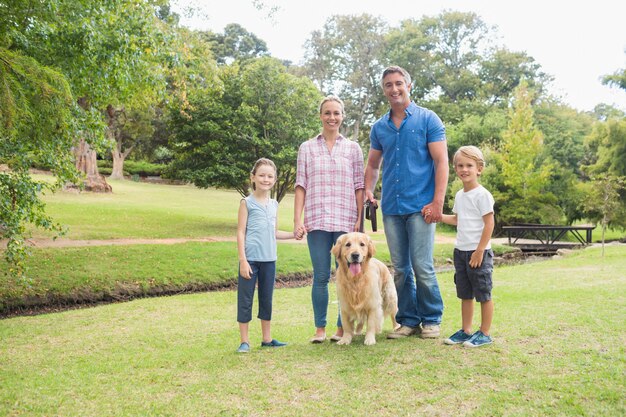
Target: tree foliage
(607,142)
(235,44)
(114,54)
(523,196)
(607,145)
(262,111)
(604,203)
(617,79)
(37,124)
(344,58)
(54,55)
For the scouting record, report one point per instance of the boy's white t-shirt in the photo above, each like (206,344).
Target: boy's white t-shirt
(470,207)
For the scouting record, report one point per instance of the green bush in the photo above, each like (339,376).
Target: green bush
(140,168)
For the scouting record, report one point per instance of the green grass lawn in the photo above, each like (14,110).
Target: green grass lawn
(144,210)
(558,351)
(103,273)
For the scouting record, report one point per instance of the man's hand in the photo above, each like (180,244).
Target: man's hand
(369,196)
(432,212)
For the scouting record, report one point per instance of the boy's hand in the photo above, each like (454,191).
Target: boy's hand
(477,258)
(427,214)
(245,270)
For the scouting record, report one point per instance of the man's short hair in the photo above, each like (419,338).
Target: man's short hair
(400,70)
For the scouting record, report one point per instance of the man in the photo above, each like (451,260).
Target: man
(412,142)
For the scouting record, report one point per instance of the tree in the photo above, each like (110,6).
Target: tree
(114,54)
(524,197)
(235,44)
(478,130)
(607,142)
(502,71)
(345,59)
(455,59)
(38,121)
(262,111)
(127,129)
(607,146)
(617,79)
(564,130)
(605,112)
(61,63)
(603,200)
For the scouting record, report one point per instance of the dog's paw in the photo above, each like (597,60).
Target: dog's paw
(370,340)
(345,341)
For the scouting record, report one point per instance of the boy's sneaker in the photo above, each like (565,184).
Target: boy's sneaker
(403,331)
(457,338)
(430,331)
(244,348)
(478,339)
(273,343)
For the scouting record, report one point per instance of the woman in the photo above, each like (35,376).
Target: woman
(329,189)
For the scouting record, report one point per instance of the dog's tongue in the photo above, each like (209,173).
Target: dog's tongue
(355,268)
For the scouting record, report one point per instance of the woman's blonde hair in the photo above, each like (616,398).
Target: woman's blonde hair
(332,98)
(257,164)
(471,152)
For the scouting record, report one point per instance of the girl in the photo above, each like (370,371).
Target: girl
(256,243)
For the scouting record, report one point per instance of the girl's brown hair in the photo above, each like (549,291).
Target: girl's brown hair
(257,164)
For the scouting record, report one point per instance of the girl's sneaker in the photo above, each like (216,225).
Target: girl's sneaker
(243,348)
(478,339)
(458,338)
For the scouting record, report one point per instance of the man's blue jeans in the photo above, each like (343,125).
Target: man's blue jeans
(411,241)
(320,242)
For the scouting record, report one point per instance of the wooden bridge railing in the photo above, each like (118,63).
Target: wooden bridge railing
(547,234)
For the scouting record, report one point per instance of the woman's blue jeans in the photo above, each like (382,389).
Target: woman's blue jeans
(320,242)
(411,242)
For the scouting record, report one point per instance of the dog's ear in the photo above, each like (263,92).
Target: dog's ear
(371,250)
(336,250)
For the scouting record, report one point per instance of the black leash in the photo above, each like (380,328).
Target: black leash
(370,214)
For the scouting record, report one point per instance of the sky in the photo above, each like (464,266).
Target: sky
(577,42)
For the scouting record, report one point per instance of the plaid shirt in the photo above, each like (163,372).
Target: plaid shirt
(330,180)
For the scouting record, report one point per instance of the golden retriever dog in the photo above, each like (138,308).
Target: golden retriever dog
(365,288)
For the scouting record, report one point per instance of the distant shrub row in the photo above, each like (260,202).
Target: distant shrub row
(140,168)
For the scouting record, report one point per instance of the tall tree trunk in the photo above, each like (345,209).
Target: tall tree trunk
(86,163)
(117,173)
(85,160)
(116,119)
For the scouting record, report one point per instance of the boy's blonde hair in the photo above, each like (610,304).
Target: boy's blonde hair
(257,164)
(471,152)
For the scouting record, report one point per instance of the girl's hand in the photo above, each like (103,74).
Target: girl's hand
(299,231)
(245,270)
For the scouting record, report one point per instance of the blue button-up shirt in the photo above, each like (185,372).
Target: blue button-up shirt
(408,168)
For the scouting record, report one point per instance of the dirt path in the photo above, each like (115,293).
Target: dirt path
(68,243)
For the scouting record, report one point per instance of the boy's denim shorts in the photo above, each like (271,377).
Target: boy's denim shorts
(473,282)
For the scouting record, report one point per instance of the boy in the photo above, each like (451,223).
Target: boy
(473,257)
